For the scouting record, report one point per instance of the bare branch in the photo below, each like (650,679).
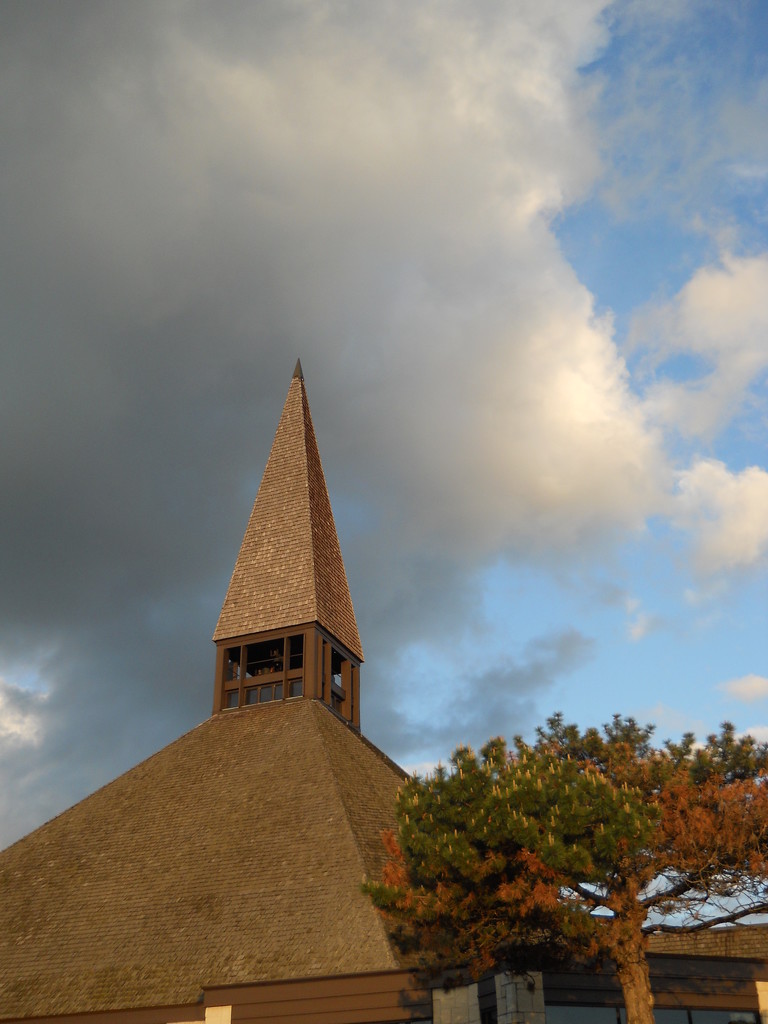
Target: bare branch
(710,921)
(588,893)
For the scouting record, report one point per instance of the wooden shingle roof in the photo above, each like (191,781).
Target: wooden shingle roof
(289,569)
(233,855)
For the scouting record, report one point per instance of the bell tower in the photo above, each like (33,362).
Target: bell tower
(287,628)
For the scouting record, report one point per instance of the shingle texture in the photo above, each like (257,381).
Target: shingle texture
(233,855)
(289,569)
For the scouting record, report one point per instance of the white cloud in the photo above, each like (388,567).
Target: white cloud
(670,722)
(368,186)
(747,688)
(718,322)
(725,513)
(371,187)
(750,172)
(759,732)
(20,719)
(643,624)
(421,768)
(639,622)
(679,122)
(710,593)
(423,194)
(720,318)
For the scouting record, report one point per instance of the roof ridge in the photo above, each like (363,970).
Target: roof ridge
(331,770)
(340,620)
(308,425)
(320,708)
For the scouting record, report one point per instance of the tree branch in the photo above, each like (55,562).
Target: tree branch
(708,922)
(591,896)
(671,892)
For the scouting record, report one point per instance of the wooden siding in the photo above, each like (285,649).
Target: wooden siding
(695,982)
(376,998)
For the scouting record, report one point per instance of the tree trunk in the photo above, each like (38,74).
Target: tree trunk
(632,971)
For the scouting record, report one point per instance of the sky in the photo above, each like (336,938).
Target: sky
(521,248)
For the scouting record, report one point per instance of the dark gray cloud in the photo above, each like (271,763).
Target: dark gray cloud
(191,196)
(504,698)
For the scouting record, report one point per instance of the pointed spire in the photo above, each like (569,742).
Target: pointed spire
(290,570)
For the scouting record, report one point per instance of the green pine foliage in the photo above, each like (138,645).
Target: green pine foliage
(577,846)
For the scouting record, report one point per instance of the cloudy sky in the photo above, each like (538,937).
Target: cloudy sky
(521,247)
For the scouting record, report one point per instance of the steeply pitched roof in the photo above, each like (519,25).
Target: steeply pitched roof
(290,570)
(233,855)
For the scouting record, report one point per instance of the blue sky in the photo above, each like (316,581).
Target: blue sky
(686,191)
(521,248)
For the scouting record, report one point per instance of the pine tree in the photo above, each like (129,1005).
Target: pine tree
(579,845)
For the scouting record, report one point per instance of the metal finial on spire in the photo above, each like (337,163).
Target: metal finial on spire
(298,372)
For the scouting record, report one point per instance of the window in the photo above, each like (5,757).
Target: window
(684,1016)
(617,1015)
(296,651)
(264,694)
(336,660)
(232,668)
(264,658)
(270,668)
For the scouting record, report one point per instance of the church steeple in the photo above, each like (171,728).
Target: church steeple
(287,628)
